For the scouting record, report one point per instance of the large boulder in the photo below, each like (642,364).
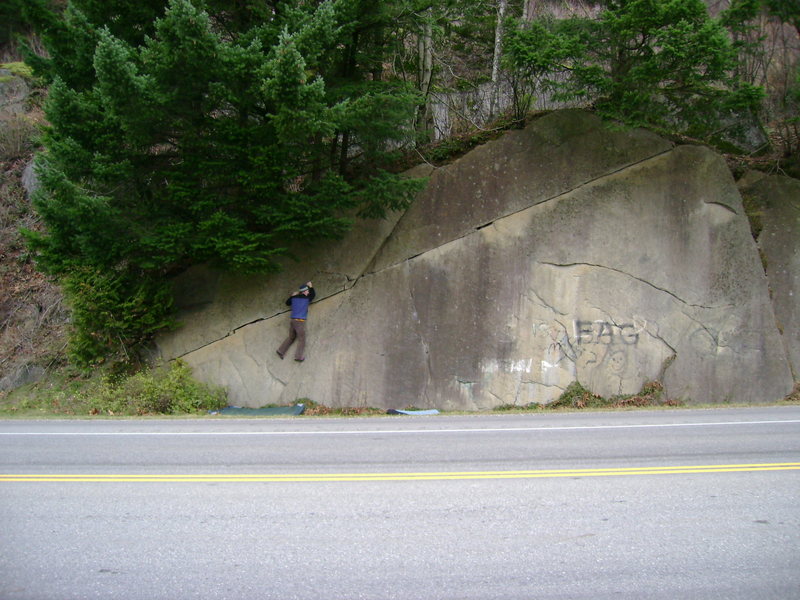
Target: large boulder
(562,252)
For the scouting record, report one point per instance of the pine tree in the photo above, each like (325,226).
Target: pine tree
(662,64)
(181,136)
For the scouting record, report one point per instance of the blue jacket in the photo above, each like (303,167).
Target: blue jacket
(299,304)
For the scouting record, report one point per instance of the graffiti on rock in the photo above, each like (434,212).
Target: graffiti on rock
(508,366)
(603,332)
(592,343)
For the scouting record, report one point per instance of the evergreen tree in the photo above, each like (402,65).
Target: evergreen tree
(788,11)
(538,56)
(12,22)
(181,135)
(663,64)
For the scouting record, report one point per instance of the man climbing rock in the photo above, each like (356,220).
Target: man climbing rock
(299,302)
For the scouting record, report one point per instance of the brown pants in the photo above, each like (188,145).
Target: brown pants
(297,331)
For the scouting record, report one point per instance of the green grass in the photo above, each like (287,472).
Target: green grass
(19,69)
(165,390)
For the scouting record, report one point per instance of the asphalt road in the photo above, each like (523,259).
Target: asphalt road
(665,504)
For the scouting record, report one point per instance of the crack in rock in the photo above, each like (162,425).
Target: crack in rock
(550,199)
(721,205)
(635,278)
(353,280)
(275,377)
(536,299)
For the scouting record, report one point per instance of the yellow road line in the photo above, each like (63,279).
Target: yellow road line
(337,477)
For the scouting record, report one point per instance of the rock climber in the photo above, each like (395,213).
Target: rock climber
(298,301)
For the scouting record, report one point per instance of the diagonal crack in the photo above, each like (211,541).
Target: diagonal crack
(634,277)
(721,205)
(531,294)
(555,197)
(353,281)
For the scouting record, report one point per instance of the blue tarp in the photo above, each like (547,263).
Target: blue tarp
(396,411)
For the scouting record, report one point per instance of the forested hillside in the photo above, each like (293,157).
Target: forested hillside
(185,132)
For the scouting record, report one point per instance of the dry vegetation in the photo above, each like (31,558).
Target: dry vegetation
(32,317)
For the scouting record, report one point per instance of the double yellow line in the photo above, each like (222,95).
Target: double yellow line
(432,476)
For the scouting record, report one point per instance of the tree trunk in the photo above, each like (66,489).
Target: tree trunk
(528,10)
(502,5)
(425,72)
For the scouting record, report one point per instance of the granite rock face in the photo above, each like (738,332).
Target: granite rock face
(562,252)
(778,201)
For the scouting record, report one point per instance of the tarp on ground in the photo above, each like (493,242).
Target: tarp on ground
(397,411)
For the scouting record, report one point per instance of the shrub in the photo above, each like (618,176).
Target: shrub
(168,389)
(576,396)
(113,314)
(17,135)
